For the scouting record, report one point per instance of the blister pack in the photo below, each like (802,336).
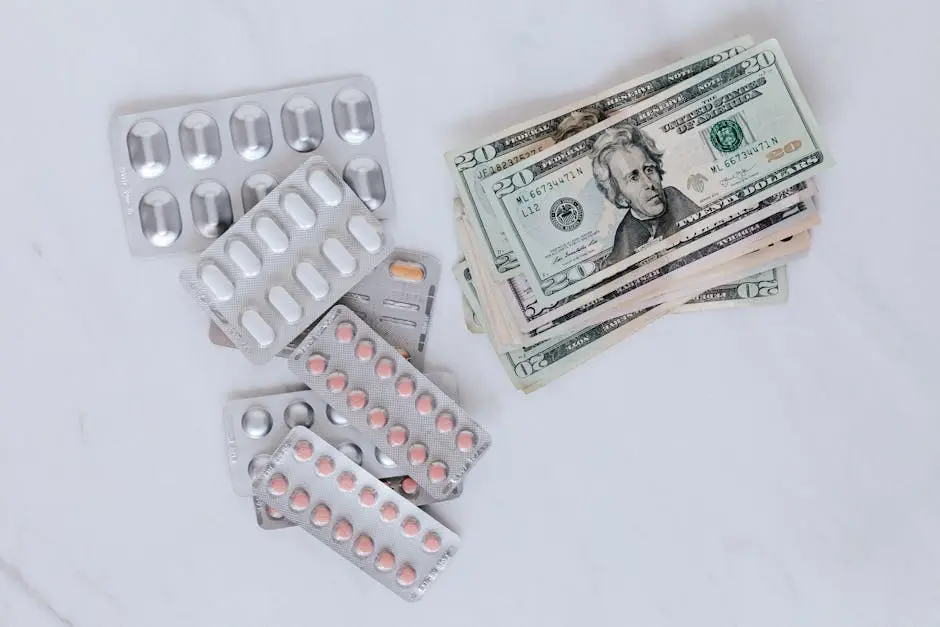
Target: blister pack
(322,491)
(405,415)
(396,299)
(278,268)
(185,174)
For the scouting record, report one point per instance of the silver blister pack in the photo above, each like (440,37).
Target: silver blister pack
(282,265)
(396,299)
(322,491)
(185,174)
(406,416)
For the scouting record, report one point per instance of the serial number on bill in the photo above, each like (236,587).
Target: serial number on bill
(549,185)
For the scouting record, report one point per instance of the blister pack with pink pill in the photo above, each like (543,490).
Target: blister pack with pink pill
(404,414)
(319,489)
(281,266)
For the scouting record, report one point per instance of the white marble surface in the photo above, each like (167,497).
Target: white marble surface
(770,467)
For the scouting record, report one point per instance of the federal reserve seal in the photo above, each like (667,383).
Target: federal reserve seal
(726,135)
(566,214)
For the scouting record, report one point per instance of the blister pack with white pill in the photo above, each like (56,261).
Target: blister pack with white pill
(405,415)
(319,489)
(185,174)
(277,269)
(396,299)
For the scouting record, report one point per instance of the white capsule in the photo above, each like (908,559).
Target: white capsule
(341,259)
(271,234)
(245,258)
(366,234)
(312,280)
(257,327)
(285,304)
(297,208)
(213,278)
(326,187)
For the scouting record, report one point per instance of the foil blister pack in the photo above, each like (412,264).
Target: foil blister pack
(185,174)
(403,413)
(280,267)
(325,493)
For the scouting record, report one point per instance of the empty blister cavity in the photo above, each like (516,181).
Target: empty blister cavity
(244,257)
(256,187)
(365,177)
(353,115)
(148,149)
(211,208)
(160,219)
(271,234)
(257,422)
(199,140)
(298,209)
(303,128)
(366,234)
(216,282)
(299,414)
(325,185)
(251,132)
(285,304)
(339,256)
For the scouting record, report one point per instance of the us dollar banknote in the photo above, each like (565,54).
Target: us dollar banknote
(631,186)
(764,288)
(472,164)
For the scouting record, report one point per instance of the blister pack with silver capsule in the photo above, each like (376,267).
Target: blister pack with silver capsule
(280,267)
(396,299)
(406,416)
(322,491)
(185,174)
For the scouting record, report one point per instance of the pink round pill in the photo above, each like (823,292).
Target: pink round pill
(342,531)
(303,451)
(365,349)
(431,542)
(364,546)
(378,417)
(367,497)
(397,435)
(424,404)
(389,512)
(385,560)
(409,486)
(299,500)
(406,576)
(274,514)
(444,422)
(336,382)
(316,364)
(465,441)
(346,481)
(357,399)
(405,386)
(278,485)
(437,472)
(385,368)
(321,515)
(410,527)
(325,466)
(345,332)
(417,454)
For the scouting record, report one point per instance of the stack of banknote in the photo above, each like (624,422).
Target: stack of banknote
(685,189)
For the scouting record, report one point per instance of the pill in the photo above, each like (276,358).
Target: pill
(444,422)
(271,234)
(336,382)
(303,451)
(245,258)
(337,255)
(273,513)
(213,278)
(366,234)
(364,546)
(465,441)
(424,404)
(410,527)
(357,399)
(257,422)
(299,500)
(367,497)
(406,576)
(326,186)
(316,364)
(417,454)
(312,280)
(342,531)
(377,418)
(397,435)
(365,349)
(260,330)
(285,304)
(388,512)
(299,211)
(437,472)
(385,368)
(385,560)
(277,485)
(406,271)
(320,516)
(431,542)
(409,486)
(346,481)
(345,332)
(405,386)
(325,466)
